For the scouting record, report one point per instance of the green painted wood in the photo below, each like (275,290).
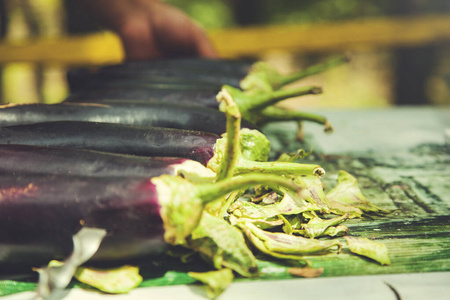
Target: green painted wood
(401,158)
(402,166)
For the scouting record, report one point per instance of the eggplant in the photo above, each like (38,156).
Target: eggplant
(117,95)
(211,71)
(40,214)
(250,105)
(176,79)
(115,138)
(202,147)
(159,114)
(16,160)
(154,83)
(195,66)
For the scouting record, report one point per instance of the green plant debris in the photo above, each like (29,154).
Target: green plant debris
(216,281)
(285,244)
(224,245)
(115,281)
(306,272)
(365,247)
(317,227)
(347,197)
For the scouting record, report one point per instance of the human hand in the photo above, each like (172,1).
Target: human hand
(152,29)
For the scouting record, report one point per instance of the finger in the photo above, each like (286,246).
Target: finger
(138,40)
(204,46)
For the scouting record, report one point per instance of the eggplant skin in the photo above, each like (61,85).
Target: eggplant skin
(25,159)
(114,138)
(118,95)
(40,214)
(160,114)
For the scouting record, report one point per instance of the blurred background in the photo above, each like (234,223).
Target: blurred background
(400,49)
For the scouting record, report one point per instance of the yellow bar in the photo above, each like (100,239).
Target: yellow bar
(105,48)
(92,49)
(341,36)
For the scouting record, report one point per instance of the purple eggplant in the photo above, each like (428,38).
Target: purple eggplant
(183,70)
(115,138)
(250,105)
(159,114)
(40,214)
(114,95)
(202,147)
(16,160)
(174,67)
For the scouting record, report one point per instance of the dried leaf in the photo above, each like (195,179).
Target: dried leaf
(313,191)
(347,193)
(285,244)
(224,245)
(216,281)
(288,205)
(374,250)
(115,281)
(306,272)
(318,227)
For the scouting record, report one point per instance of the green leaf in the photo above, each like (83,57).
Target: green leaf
(292,157)
(317,227)
(374,250)
(348,194)
(115,281)
(216,281)
(289,205)
(313,192)
(278,244)
(224,245)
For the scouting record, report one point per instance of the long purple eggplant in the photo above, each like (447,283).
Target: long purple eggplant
(115,138)
(114,95)
(200,70)
(16,160)
(159,114)
(153,141)
(250,104)
(40,214)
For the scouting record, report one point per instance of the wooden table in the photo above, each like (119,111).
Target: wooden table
(401,158)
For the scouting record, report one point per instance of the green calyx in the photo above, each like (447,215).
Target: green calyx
(264,78)
(253,155)
(182,202)
(253,146)
(249,103)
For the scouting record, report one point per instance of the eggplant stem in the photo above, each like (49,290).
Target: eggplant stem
(211,192)
(278,168)
(264,100)
(273,113)
(232,150)
(315,69)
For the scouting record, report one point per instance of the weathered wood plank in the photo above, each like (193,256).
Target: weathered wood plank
(402,163)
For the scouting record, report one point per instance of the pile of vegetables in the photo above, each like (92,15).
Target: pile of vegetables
(143,160)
